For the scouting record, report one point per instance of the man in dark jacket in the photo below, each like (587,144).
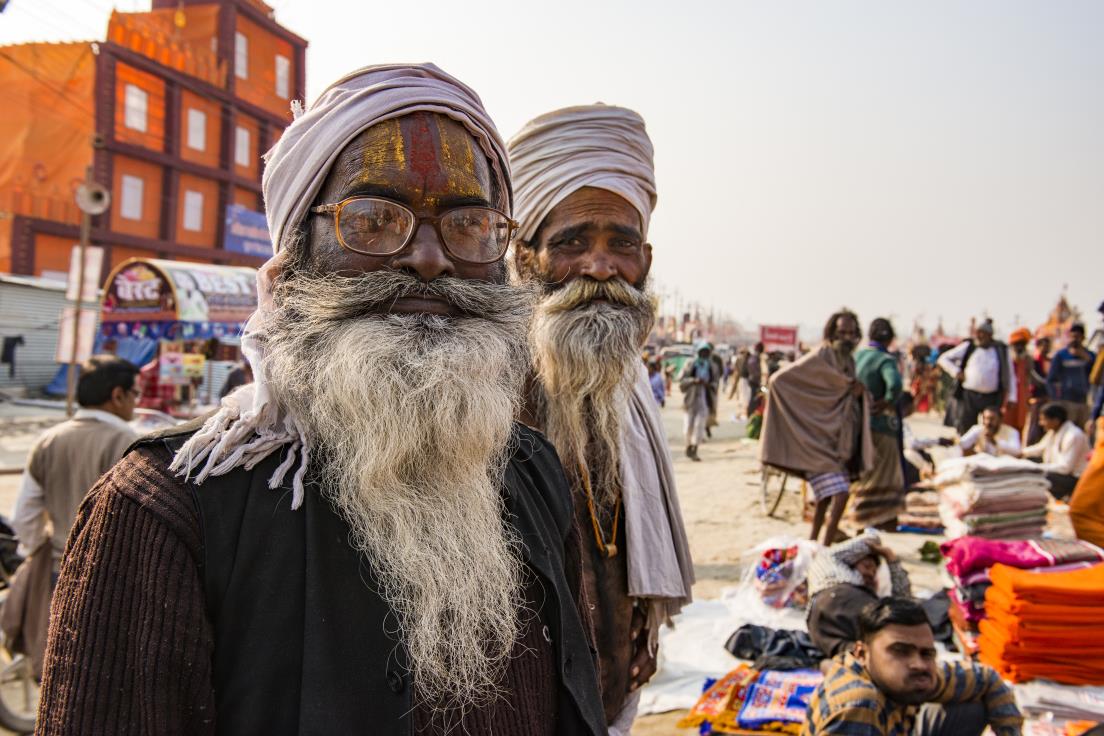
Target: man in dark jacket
(363,540)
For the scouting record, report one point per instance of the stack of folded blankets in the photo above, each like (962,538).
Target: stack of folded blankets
(750,701)
(921,514)
(969,561)
(1045,624)
(992,497)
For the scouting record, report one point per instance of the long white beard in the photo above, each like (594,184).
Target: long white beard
(585,354)
(412,415)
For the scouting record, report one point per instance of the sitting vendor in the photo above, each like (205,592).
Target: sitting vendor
(892,684)
(843,581)
(1064,450)
(990,436)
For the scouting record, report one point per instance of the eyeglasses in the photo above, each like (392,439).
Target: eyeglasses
(379,227)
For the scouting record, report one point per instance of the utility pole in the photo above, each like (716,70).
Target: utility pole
(92,199)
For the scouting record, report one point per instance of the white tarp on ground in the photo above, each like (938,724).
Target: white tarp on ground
(694,649)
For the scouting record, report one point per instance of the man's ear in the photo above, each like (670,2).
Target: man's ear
(647,259)
(860,650)
(525,259)
(118,394)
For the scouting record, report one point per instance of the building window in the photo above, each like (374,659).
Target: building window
(241,56)
(130,203)
(283,76)
(242,155)
(197,129)
(193,211)
(135,108)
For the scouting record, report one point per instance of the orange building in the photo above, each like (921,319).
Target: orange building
(173,110)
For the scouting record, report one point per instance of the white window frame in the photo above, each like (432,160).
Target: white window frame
(197,129)
(130,199)
(193,211)
(243,153)
(241,55)
(283,77)
(136,108)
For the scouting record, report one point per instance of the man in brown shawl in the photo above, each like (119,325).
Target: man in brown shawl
(817,421)
(585,192)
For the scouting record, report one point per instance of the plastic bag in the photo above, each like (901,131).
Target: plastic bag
(778,568)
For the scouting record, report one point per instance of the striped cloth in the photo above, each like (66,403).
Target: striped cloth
(829,484)
(849,704)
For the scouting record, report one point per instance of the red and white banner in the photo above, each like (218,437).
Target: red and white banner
(778,337)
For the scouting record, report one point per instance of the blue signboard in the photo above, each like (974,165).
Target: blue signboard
(246,232)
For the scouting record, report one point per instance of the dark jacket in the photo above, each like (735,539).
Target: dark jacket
(268,631)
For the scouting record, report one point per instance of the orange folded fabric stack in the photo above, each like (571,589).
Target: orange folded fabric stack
(1046,625)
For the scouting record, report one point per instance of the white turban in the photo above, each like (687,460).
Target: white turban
(599,146)
(249,425)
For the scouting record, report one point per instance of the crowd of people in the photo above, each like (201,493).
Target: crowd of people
(445,502)
(836,416)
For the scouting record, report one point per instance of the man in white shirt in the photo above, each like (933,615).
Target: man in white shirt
(68,459)
(990,436)
(983,369)
(1064,450)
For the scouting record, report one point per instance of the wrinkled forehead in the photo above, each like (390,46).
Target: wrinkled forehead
(418,158)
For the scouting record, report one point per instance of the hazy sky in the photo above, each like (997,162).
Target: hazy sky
(931,158)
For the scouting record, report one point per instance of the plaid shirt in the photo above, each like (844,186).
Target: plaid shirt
(848,703)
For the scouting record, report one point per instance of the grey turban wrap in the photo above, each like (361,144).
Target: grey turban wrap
(249,424)
(298,164)
(599,146)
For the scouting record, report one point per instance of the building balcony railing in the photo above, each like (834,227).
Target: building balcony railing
(134,33)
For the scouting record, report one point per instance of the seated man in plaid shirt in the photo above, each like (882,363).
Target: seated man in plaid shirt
(892,685)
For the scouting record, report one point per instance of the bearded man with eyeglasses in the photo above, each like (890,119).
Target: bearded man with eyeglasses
(363,540)
(585,193)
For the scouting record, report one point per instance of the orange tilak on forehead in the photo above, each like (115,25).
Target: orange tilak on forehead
(439,157)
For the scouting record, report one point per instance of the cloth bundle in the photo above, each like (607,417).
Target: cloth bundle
(921,513)
(1045,624)
(749,701)
(993,497)
(771,649)
(968,561)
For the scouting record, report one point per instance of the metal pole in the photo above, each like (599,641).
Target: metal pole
(85,234)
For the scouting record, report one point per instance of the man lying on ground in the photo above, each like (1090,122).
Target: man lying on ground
(990,436)
(843,580)
(892,684)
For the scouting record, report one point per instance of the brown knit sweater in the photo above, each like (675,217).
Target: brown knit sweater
(130,645)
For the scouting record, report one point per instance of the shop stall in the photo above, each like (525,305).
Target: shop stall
(181,322)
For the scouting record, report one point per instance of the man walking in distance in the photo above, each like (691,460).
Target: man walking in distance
(698,384)
(363,539)
(585,192)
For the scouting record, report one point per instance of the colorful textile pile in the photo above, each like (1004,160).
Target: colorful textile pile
(921,514)
(1045,624)
(969,559)
(992,497)
(747,701)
